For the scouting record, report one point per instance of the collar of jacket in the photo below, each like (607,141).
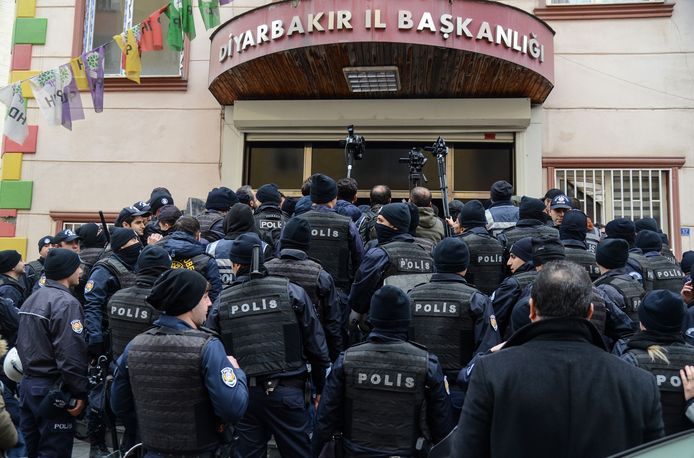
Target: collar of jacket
(502,203)
(268,207)
(479,230)
(558,329)
(384,336)
(146,281)
(529,223)
(571,243)
(614,272)
(527,267)
(293,253)
(404,237)
(448,277)
(55,284)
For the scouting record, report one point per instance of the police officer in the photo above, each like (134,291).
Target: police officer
(177,377)
(158,199)
(572,233)
(660,349)
(219,201)
(269,218)
(12,278)
(397,260)
(108,276)
(624,228)
(92,248)
(558,208)
(67,239)
(615,281)
(187,252)
(129,314)
(34,269)
(51,347)
(509,292)
(530,224)
(486,253)
(662,274)
(652,225)
(451,318)
(270,325)
(295,264)
(386,395)
(501,214)
(335,242)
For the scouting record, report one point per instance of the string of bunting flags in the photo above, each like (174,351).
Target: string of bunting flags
(56,91)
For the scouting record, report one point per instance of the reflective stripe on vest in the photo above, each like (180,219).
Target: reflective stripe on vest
(174,411)
(259,326)
(330,244)
(384,393)
(442,322)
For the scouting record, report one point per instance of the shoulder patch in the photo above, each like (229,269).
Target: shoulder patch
(446,385)
(229,377)
(77,327)
(89,286)
(492,321)
(42,280)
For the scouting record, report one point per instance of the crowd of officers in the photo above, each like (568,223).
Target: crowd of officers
(351,331)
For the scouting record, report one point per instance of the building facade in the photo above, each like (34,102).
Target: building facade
(596,98)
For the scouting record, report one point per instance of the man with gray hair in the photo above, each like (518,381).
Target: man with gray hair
(557,366)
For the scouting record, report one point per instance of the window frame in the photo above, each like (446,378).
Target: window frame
(61,217)
(594,11)
(121,83)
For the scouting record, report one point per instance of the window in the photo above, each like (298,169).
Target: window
(606,194)
(73,220)
(105,18)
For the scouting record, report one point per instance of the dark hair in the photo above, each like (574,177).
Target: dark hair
(187,224)
(129,219)
(380,194)
(246,190)
(420,196)
(562,289)
(347,189)
(306,187)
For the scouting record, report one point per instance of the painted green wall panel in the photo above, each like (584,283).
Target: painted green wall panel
(30,31)
(16,194)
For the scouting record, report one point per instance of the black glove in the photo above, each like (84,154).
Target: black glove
(96,349)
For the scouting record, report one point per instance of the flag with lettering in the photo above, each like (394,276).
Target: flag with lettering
(78,73)
(187,19)
(45,87)
(150,30)
(15,127)
(209,10)
(128,45)
(94,71)
(71,101)
(174,36)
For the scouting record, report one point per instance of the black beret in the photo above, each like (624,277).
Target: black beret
(546,249)
(153,260)
(451,255)
(663,311)
(621,228)
(296,234)
(648,241)
(523,248)
(531,208)
(612,253)
(646,223)
(397,214)
(241,251)
(574,226)
(92,235)
(221,199)
(269,193)
(390,308)
(61,263)
(8,260)
(177,291)
(323,189)
(120,236)
(472,215)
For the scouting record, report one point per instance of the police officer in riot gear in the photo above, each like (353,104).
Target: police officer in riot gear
(572,233)
(485,271)
(219,201)
(661,273)
(624,228)
(660,349)
(451,318)
(92,248)
(397,260)
(652,225)
(509,292)
(12,277)
(270,325)
(615,281)
(34,269)
(386,395)
(295,264)
(177,377)
(158,199)
(51,347)
(530,224)
(269,218)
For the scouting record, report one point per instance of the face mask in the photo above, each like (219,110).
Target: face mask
(385,234)
(129,255)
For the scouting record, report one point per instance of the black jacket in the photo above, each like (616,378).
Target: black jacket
(582,400)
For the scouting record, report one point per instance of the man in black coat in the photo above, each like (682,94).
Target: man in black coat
(552,385)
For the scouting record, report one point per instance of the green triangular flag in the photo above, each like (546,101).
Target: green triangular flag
(209,10)
(187,21)
(174,36)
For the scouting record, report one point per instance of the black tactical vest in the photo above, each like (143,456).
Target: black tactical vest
(174,411)
(126,277)
(426,244)
(599,311)
(330,244)
(197,263)
(304,273)
(666,275)
(667,376)
(515,234)
(34,271)
(207,219)
(129,314)
(646,269)
(585,259)
(525,278)
(486,262)
(631,290)
(384,393)
(441,321)
(409,265)
(592,241)
(259,326)
(269,222)
(669,255)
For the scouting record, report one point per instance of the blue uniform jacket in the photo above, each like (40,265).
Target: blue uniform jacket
(331,409)
(356,246)
(611,291)
(229,402)
(184,246)
(369,276)
(50,339)
(312,335)
(102,284)
(348,209)
(504,298)
(13,290)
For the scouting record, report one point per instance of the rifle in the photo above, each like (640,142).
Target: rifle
(440,151)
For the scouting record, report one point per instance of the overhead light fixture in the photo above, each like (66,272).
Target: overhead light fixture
(372,79)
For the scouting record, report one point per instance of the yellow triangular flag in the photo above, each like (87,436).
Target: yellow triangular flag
(78,73)
(131,55)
